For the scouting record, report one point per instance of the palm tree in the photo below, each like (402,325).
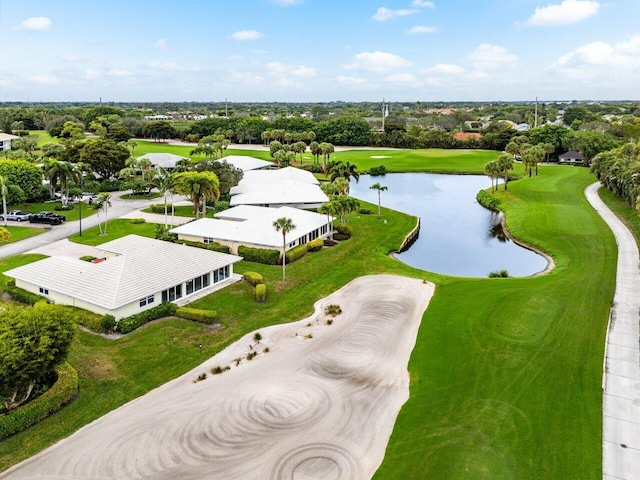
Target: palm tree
(329,209)
(341,185)
(380,189)
(266,136)
(133,144)
(505,163)
(198,187)
(284,225)
(345,170)
(491,169)
(104,200)
(166,184)
(326,149)
(4,191)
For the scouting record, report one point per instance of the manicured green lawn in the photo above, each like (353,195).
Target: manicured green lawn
(70,215)
(505,375)
(179,211)
(44,137)
(624,212)
(144,147)
(14,262)
(116,228)
(20,233)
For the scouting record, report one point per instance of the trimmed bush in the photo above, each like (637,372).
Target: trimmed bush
(315,245)
(341,236)
(253,278)
(329,243)
(365,211)
(487,200)
(344,229)
(59,395)
(108,323)
(88,258)
(129,324)
(261,292)
(83,317)
(203,316)
(260,255)
(60,208)
(296,253)
(380,170)
(192,244)
(216,247)
(138,221)
(499,274)
(159,208)
(22,296)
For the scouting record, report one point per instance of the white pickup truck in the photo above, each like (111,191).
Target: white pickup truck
(16,215)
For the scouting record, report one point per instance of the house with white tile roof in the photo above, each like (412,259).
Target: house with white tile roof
(246,163)
(164,160)
(134,274)
(252,226)
(5,141)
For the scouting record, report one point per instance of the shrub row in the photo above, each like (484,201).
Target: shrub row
(254,278)
(138,221)
(487,200)
(83,317)
(197,315)
(259,255)
(216,247)
(261,292)
(315,245)
(22,296)
(60,394)
(159,208)
(128,324)
(296,253)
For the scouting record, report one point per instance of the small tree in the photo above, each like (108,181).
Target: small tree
(284,225)
(380,189)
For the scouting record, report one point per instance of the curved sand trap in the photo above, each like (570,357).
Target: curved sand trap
(320,405)
(380,156)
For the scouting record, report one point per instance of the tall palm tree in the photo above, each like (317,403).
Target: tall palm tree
(104,200)
(4,191)
(492,169)
(329,209)
(345,170)
(133,144)
(380,189)
(284,225)
(198,187)
(326,149)
(166,184)
(505,163)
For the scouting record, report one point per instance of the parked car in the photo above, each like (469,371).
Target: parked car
(16,216)
(47,217)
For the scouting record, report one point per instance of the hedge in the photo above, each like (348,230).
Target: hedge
(192,244)
(254,278)
(216,247)
(259,255)
(315,245)
(91,320)
(343,229)
(261,292)
(59,395)
(138,221)
(296,253)
(487,200)
(22,296)
(197,315)
(129,324)
(159,208)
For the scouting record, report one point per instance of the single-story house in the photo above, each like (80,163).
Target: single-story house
(288,186)
(164,160)
(136,273)
(523,127)
(246,163)
(252,226)
(5,141)
(572,158)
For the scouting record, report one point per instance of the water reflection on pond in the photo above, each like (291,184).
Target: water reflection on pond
(458,236)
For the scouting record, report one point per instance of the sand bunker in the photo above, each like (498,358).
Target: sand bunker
(321,404)
(380,156)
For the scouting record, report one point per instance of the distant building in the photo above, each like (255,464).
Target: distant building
(571,158)
(157,117)
(164,160)
(246,163)
(5,141)
(523,127)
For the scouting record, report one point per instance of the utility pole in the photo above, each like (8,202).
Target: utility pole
(383,115)
(535,123)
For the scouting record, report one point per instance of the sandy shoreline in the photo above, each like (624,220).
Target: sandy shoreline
(321,404)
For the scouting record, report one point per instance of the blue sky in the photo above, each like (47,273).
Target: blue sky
(319,50)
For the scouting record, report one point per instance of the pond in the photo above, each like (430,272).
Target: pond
(457,235)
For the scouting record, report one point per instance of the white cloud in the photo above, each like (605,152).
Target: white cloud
(418,29)
(44,79)
(444,69)
(259,52)
(91,74)
(569,11)
(234,58)
(173,67)
(35,24)
(295,70)
(383,14)
(351,80)
(401,78)
(488,56)
(423,4)
(69,57)
(161,44)
(621,55)
(379,62)
(246,78)
(244,35)
(117,72)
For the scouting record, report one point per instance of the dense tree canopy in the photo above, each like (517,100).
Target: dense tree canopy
(105,157)
(352,130)
(25,175)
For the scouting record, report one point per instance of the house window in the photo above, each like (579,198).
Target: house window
(198,283)
(147,300)
(207,240)
(171,294)
(221,274)
(44,291)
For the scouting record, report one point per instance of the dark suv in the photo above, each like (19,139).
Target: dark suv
(47,217)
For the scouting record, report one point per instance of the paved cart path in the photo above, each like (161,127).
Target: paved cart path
(621,399)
